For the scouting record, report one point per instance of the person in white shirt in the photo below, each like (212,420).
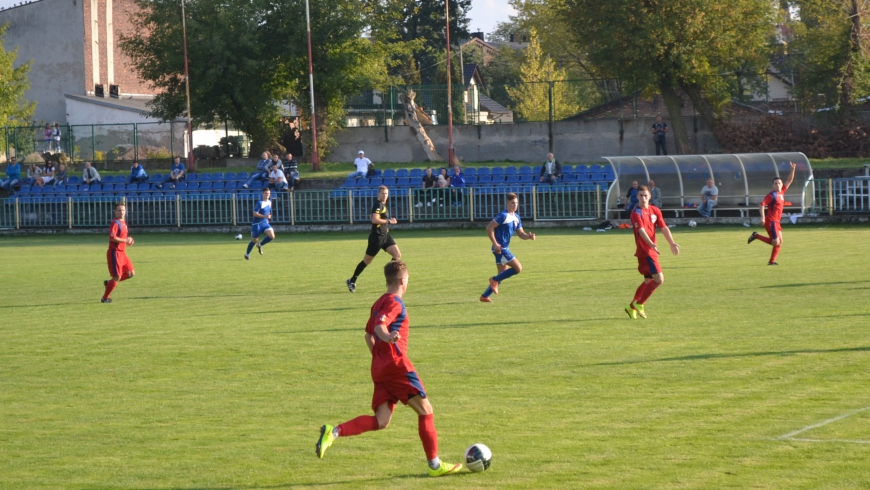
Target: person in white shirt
(362,166)
(277,179)
(709,198)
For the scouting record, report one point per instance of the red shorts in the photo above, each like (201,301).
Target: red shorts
(397,390)
(118,262)
(774,230)
(648,266)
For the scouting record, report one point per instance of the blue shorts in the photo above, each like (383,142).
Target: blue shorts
(504,257)
(257,229)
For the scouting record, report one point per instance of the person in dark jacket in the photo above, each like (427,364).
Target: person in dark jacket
(551,171)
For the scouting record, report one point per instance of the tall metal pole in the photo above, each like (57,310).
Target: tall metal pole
(315,157)
(450,153)
(191,161)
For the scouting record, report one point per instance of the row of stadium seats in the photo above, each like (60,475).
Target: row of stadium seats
(471,181)
(524,170)
(184,186)
(518,188)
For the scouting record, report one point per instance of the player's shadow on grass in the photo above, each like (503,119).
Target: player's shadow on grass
(805,284)
(386,479)
(704,357)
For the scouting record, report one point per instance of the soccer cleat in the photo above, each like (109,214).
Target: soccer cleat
(772,263)
(260,248)
(639,309)
(752,237)
(105,300)
(485,299)
(632,313)
(247,257)
(493,284)
(326,440)
(351,286)
(445,469)
(245,186)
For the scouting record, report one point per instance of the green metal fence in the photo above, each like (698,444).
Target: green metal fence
(302,207)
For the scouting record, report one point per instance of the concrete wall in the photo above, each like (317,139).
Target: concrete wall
(50,32)
(573,141)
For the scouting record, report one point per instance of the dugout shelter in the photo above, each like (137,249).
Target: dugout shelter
(743,181)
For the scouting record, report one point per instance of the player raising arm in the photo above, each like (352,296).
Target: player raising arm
(644,220)
(393,374)
(774,201)
(500,230)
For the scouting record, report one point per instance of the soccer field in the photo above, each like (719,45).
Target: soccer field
(212,372)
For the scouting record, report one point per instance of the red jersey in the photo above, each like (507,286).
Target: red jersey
(774,202)
(118,229)
(389,361)
(647,219)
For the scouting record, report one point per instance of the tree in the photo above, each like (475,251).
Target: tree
(14,109)
(531,98)
(247,57)
(672,45)
(424,21)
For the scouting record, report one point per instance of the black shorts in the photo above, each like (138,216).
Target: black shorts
(378,243)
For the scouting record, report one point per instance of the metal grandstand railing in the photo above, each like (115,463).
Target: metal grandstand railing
(837,196)
(338,206)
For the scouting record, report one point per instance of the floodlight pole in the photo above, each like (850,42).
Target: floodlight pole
(315,157)
(450,152)
(191,161)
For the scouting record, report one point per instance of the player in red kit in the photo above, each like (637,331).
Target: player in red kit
(774,201)
(120,267)
(393,374)
(644,220)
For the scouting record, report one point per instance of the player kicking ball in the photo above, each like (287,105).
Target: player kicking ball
(260,225)
(774,201)
(500,230)
(393,374)
(644,220)
(120,266)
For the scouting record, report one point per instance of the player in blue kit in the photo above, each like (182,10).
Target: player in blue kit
(260,225)
(500,231)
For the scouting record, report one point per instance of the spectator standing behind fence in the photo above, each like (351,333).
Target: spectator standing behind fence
(709,198)
(13,175)
(655,195)
(46,138)
(55,137)
(457,181)
(90,176)
(631,197)
(551,171)
(291,172)
(659,130)
(362,165)
(177,173)
(277,180)
(262,172)
(137,174)
(60,177)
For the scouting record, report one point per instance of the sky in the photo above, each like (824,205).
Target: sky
(484,13)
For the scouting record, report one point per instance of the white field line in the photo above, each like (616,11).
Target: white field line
(851,441)
(791,435)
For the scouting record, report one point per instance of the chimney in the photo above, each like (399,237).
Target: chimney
(478,34)
(511,38)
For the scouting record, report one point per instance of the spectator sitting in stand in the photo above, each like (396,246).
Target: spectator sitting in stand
(47,174)
(551,171)
(709,199)
(277,180)
(291,171)
(430,181)
(362,166)
(177,173)
(457,181)
(90,176)
(60,177)
(137,174)
(655,195)
(631,197)
(443,184)
(276,161)
(13,175)
(34,175)
(262,172)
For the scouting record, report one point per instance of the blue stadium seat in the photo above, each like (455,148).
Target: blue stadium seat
(496,171)
(510,171)
(536,170)
(470,172)
(207,185)
(580,169)
(144,187)
(403,181)
(348,182)
(156,178)
(528,178)
(390,172)
(525,170)
(361,182)
(389,181)
(402,172)
(482,171)
(417,172)
(231,175)
(484,179)
(567,169)
(258,185)
(242,176)
(512,179)
(376,182)
(498,179)
(596,168)
(192,177)
(217,176)
(338,194)
(583,177)
(74,180)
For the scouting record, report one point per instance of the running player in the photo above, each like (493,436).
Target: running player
(120,267)
(774,201)
(379,237)
(644,220)
(393,375)
(500,231)
(260,225)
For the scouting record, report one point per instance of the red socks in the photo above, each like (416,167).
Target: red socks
(124,277)
(355,427)
(110,286)
(639,293)
(426,427)
(648,291)
(774,253)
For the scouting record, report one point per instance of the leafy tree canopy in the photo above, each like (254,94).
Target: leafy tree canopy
(14,109)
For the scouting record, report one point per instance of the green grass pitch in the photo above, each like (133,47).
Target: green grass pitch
(212,372)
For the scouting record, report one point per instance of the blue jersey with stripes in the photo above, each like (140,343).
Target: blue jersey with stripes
(264,208)
(508,224)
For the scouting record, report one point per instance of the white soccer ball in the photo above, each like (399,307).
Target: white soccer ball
(692,223)
(478,457)
(239,236)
